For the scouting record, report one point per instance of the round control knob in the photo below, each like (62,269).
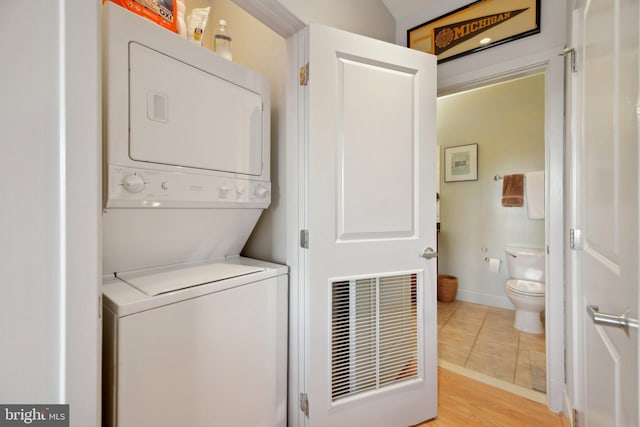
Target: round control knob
(165,185)
(261,190)
(133,183)
(240,188)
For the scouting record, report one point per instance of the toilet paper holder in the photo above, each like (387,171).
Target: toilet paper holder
(494,264)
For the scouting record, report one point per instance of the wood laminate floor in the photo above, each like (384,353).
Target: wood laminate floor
(465,402)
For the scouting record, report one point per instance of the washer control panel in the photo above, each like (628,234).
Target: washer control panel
(139,188)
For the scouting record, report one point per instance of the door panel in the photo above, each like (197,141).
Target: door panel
(371,352)
(376,193)
(607,208)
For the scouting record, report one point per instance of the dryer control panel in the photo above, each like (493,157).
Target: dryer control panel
(140,188)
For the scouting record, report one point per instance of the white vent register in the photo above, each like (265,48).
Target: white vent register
(374,333)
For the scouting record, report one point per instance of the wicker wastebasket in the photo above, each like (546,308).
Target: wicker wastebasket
(447,287)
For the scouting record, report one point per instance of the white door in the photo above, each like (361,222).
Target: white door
(369,316)
(607,209)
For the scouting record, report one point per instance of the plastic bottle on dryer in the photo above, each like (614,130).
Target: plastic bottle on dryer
(222,41)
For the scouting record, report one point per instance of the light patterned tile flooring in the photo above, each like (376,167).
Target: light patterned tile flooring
(483,339)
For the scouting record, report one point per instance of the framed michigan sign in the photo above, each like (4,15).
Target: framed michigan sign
(475,27)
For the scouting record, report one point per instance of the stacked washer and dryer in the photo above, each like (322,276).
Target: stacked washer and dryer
(193,334)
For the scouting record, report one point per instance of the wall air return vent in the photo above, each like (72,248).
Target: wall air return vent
(374,333)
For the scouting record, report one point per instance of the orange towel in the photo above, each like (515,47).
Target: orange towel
(513,190)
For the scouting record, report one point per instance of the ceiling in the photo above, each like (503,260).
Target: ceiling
(401,8)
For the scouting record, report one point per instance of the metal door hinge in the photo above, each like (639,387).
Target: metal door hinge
(571,52)
(304,74)
(304,239)
(575,418)
(304,404)
(575,239)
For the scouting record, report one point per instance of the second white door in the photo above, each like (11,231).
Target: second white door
(606,126)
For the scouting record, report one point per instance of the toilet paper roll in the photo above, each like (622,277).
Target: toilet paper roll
(494,265)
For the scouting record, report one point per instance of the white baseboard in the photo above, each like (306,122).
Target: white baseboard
(500,301)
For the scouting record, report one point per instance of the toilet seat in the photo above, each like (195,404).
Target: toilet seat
(525,287)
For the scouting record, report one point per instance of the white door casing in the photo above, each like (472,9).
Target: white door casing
(367,197)
(551,63)
(605,190)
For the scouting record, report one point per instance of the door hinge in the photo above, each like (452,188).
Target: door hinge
(576,419)
(304,404)
(571,53)
(304,74)
(304,239)
(575,239)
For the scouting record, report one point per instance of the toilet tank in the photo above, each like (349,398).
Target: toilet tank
(525,263)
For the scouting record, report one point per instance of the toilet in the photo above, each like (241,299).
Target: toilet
(525,287)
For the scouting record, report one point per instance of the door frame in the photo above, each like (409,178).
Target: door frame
(551,63)
(296,191)
(574,316)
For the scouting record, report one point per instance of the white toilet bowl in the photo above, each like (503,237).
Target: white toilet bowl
(528,299)
(525,289)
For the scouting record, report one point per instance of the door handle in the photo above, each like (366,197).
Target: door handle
(618,320)
(429,253)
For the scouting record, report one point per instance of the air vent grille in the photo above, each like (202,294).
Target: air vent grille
(374,333)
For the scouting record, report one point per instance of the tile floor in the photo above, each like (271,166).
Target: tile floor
(482,338)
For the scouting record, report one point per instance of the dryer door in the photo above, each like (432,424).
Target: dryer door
(183,116)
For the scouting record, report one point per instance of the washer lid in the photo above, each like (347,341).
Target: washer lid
(166,281)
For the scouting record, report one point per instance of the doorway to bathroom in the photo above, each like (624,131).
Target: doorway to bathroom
(505,122)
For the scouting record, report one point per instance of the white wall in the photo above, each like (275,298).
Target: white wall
(258,48)
(31,302)
(507,123)
(370,18)
(30,306)
(49,206)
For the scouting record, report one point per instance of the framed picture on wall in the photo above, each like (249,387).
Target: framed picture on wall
(461,163)
(475,27)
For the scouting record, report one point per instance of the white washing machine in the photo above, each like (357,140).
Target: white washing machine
(198,345)
(194,335)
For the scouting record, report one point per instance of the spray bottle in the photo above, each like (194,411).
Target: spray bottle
(222,41)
